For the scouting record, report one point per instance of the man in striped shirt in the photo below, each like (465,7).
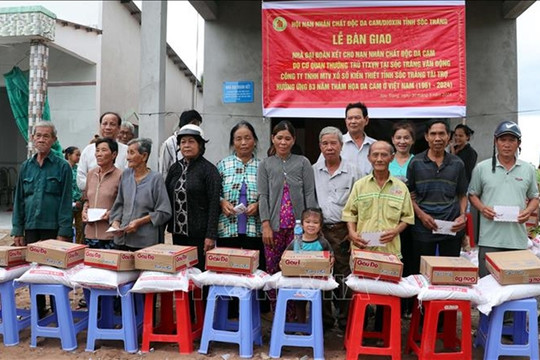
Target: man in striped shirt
(438,186)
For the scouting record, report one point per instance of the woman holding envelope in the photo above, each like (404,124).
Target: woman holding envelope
(239,225)
(100,192)
(142,207)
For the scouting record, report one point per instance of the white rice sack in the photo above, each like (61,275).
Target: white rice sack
(7,274)
(257,280)
(370,286)
(536,241)
(157,281)
(278,281)
(471,255)
(43,274)
(92,277)
(530,244)
(496,293)
(444,292)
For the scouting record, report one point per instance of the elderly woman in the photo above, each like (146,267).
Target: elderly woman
(286,187)
(239,224)
(141,207)
(101,190)
(193,185)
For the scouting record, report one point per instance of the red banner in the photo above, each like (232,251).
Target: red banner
(403,60)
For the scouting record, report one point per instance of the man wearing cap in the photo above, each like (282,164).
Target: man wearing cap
(169,152)
(503,180)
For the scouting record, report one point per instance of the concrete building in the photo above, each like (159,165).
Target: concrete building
(90,70)
(491,72)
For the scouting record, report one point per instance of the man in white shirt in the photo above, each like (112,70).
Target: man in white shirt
(356,142)
(109,127)
(334,180)
(169,152)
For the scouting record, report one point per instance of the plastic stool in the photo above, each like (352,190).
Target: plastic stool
(314,326)
(429,335)
(491,329)
(66,329)
(13,319)
(185,330)
(217,327)
(390,334)
(131,318)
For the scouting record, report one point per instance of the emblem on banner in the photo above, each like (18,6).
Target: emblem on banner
(279,23)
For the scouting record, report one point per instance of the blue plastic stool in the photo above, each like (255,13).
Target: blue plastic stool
(491,329)
(66,329)
(102,320)
(314,326)
(13,319)
(217,326)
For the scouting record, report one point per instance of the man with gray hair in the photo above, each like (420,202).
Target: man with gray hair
(126,133)
(334,179)
(42,204)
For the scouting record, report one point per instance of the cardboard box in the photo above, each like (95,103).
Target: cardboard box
(110,259)
(61,254)
(12,255)
(448,270)
(514,267)
(166,258)
(376,265)
(306,263)
(231,260)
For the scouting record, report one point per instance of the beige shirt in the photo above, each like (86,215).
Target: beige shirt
(100,192)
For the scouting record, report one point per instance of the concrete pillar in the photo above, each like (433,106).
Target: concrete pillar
(37,87)
(152,86)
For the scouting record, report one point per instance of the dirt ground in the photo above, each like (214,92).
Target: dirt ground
(48,348)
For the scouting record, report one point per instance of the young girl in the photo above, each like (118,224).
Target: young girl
(312,240)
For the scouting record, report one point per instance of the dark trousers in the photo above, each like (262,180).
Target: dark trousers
(337,236)
(448,246)
(250,243)
(190,241)
(30,237)
(482,251)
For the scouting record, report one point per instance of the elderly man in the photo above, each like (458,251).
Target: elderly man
(356,142)
(126,133)
(503,180)
(42,204)
(109,126)
(334,179)
(379,203)
(170,151)
(438,185)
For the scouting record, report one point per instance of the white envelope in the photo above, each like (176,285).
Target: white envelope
(95,214)
(506,213)
(373,238)
(444,227)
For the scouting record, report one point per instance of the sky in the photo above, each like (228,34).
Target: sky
(184,25)
(528,33)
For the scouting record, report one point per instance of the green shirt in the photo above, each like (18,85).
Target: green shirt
(43,197)
(376,209)
(509,188)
